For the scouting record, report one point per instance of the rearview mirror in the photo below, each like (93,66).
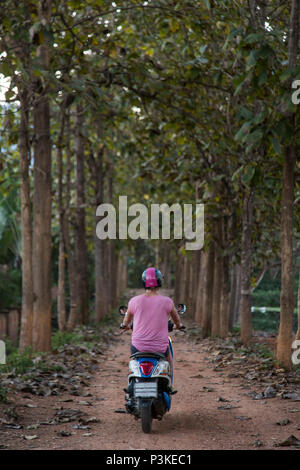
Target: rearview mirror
(181,308)
(122,310)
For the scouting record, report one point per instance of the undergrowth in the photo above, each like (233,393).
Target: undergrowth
(25,362)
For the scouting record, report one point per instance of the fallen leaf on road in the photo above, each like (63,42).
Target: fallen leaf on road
(283,422)
(256,396)
(269,392)
(33,426)
(67,415)
(291,396)
(92,419)
(12,426)
(207,389)
(30,438)
(80,426)
(258,443)
(289,441)
(64,433)
(227,407)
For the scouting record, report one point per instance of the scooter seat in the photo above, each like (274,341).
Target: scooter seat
(153,355)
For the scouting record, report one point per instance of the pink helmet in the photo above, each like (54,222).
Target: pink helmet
(152,277)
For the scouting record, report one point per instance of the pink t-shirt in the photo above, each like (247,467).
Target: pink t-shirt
(150,322)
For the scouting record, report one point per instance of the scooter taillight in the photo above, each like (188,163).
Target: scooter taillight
(146,367)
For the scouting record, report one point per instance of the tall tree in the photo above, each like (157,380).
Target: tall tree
(80,225)
(42,191)
(27,276)
(284,339)
(246,266)
(61,302)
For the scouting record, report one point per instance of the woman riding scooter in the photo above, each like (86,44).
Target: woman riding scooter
(150,312)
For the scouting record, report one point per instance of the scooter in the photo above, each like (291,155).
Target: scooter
(149,392)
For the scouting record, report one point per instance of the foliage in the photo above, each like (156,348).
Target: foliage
(3,394)
(18,363)
(269,321)
(178,95)
(10,289)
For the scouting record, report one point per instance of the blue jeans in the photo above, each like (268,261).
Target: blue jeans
(133,350)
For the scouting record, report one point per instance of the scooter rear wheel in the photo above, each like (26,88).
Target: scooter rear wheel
(146,417)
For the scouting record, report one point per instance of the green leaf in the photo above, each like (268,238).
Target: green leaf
(9,94)
(276,144)
(253,38)
(237,173)
(252,60)
(248,175)
(239,84)
(243,132)
(260,117)
(245,113)
(5,69)
(263,77)
(285,75)
(255,136)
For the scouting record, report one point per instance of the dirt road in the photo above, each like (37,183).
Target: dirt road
(211,410)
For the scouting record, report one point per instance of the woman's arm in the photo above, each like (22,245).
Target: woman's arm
(175,317)
(127,320)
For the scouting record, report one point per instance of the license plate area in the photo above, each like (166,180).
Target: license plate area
(145,390)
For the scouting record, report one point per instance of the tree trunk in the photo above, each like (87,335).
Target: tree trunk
(284,339)
(246,315)
(199,291)
(283,353)
(42,201)
(27,276)
(224,313)
(195,282)
(157,255)
(187,281)
(166,266)
(298,309)
(111,268)
(233,294)
(124,271)
(237,304)
(80,231)
(61,301)
(183,286)
(100,278)
(72,319)
(177,275)
(208,286)
(119,266)
(217,283)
